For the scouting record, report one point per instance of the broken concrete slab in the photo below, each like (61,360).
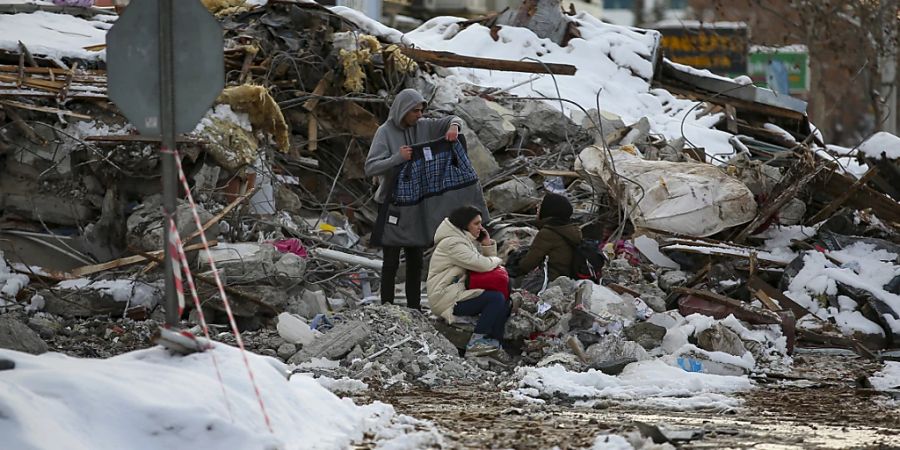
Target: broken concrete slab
(638,134)
(145,229)
(244,262)
(334,344)
(512,196)
(646,334)
(289,270)
(481,158)
(287,200)
(792,213)
(490,121)
(543,121)
(608,122)
(613,348)
(15,335)
(86,298)
(47,208)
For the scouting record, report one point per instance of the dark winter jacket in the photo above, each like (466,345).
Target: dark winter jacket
(548,242)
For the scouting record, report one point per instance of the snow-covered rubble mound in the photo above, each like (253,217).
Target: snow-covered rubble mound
(149,399)
(613,60)
(55,36)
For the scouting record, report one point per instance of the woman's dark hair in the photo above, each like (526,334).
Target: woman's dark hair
(463,215)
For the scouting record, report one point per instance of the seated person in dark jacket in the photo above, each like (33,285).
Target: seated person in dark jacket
(556,238)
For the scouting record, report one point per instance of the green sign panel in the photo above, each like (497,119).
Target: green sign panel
(784,70)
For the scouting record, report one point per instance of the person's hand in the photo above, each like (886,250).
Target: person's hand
(406,152)
(452,133)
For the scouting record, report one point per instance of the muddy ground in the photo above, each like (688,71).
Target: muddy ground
(819,405)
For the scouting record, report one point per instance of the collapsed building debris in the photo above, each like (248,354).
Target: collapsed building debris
(723,256)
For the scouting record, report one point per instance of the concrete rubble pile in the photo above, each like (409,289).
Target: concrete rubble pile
(385,346)
(721,260)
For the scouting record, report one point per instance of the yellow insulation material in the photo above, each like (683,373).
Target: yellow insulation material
(353,62)
(263,111)
(226,7)
(401,62)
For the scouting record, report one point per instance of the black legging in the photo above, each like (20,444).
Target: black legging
(413,275)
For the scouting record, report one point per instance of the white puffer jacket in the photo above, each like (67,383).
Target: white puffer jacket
(455,253)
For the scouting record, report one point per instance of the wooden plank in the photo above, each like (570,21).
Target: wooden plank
(830,208)
(50,70)
(834,184)
(45,109)
(68,83)
(128,260)
(34,82)
(757,284)
(766,300)
(139,138)
(448,59)
(558,173)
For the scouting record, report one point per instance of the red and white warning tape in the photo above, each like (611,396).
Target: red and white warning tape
(179,258)
(221,287)
(174,246)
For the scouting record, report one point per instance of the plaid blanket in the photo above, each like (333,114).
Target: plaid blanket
(424,191)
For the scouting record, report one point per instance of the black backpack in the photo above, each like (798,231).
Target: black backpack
(587,259)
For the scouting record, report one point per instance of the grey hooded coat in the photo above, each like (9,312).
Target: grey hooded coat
(384,153)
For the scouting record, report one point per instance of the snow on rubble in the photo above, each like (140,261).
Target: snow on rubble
(645,383)
(10,282)
(611,59)
(150,399)
(55,36)
(862,267)
(697,362)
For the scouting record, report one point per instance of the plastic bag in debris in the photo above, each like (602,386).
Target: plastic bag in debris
(693,199)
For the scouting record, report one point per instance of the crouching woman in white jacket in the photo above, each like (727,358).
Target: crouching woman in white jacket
(462,245)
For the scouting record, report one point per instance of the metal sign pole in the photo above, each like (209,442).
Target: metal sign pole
(167,128)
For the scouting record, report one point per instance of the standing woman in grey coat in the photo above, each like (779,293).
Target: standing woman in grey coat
(392,146)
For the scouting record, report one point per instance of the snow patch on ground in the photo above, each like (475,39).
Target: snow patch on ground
(150,399)
(887,378)
(53,35)
(339,386)
(645,383)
